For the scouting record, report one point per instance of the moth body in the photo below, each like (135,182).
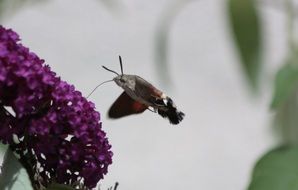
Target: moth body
(146,95)
(138,89)
(140,95)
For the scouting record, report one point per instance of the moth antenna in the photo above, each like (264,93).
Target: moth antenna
(110,70)
(121,66)
(99,86)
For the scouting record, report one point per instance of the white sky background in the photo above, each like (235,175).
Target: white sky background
(225,129)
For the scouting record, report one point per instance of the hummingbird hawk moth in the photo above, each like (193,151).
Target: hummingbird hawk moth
(140,95)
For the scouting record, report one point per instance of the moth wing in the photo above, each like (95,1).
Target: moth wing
(147,91)
(125,105)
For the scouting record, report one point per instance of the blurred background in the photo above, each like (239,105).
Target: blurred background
(185,48)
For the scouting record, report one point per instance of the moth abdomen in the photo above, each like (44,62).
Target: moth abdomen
(171,112)
(174,116)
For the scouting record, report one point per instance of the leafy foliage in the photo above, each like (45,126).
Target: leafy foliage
(13,174)
(286,82)
(245,25)
(276,170)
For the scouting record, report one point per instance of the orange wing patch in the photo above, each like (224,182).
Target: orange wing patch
(125,105)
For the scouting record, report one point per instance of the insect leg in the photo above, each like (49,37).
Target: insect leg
(152,110)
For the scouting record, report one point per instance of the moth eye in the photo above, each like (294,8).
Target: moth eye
(122,80)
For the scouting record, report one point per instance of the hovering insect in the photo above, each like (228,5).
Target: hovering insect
(138,96)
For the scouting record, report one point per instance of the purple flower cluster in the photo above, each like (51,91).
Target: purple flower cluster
(42,114)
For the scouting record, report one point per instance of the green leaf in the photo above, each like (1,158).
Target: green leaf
(286,83)
(245,26)
(277,170)
(13,175)
(3,148)
(56,186)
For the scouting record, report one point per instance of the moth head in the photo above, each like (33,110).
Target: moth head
(121,80)
(124,80)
